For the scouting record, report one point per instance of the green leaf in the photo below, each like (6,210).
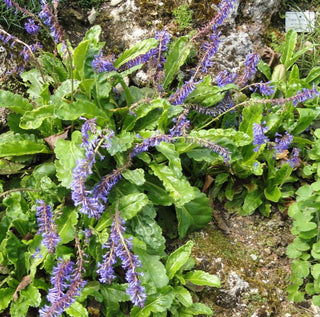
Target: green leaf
(194,214)
(121,143)
(156,193)
(197,309)
(93,34)
(77,310)
(8,167)
(306,117)
(135,176)
(33,119)
(279,74)
(300,268)
(273,193)
(290,44)
(133,52)
(264,68)
(79,58)
(114,292)
(313,76)
(154,272)
(92,288)
(316,300)
(252,201)
(5,298)
(130,205)
(178,258)
(157,303)
(177,55)
(179,188)
(168,150)
(315,271)
(250,115)
(183,296)
(66,224)
(33,79)
(67,153)
(147,229)
(21,144)
(198,277)
(14,102)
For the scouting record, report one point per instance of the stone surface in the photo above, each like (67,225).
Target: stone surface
(114,3)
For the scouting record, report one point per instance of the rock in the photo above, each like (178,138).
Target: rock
(114,3)
(140,79)
(3,55)
(92,16)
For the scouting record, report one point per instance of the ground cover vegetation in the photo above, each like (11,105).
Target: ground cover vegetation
(95,169)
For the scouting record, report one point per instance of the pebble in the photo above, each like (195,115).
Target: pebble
(114,3)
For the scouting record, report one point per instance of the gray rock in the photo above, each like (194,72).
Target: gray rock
(114,3)
(92,16)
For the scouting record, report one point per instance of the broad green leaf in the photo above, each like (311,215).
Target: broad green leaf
(156,193)
(273,193)
(300,268)
(250,115)
(93,34)
(290,44)
(16,207)
(121,142)
(196,309)
(169,151)
(67,153)
(157,303)
(114,292)
(133,52)
(177,55)
(294,75)
(8,167)
(20,145)
(33,119)
(5,298)
(193,215)
(279,74)
(313,76)
(79,58)
(306,117)
(33,79)
(147,229)
(135,176)
(14,102)
(66,224)
(92,288)
(198,277)
(183,296)
(154,272)
(77,310)
(64,90)
(315,270)
(252,201)
(82,108)
(179,188)
(130,205)
(264,68)
(316,300)
(178,258)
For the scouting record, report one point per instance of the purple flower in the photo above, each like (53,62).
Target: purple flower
(101,64)
(181,126)
(305,95)
(294,161)
(181,94)
(120,247)
(210,49)
(225,77)
(225,8)
(91,204)
(251,65)
(266,89)
(31,27)
(67,284)
(8,3)
(150,142)
(47,228)
(283,142)
(258,136)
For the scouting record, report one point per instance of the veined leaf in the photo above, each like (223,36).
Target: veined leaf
(183,296)
(67,153)
(14,102)
(177,55)
(77,310)
(79,58)
(193,215)
(290,44)
(133,52)
(196,309)
(5,298)
(178,258)
(66,224)
(34,118)
(158,303)
(202,278)
(179,188)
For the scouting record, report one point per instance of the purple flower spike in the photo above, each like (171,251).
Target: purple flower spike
(283,142)
(258,136)
(210,49)
(101,64)
(295,160)
(181,94)
(120,247)
(225,8)
(251,65)
(47,227)
(225,77)
(266,89)
(8,3)
(305,95)
(31,27)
